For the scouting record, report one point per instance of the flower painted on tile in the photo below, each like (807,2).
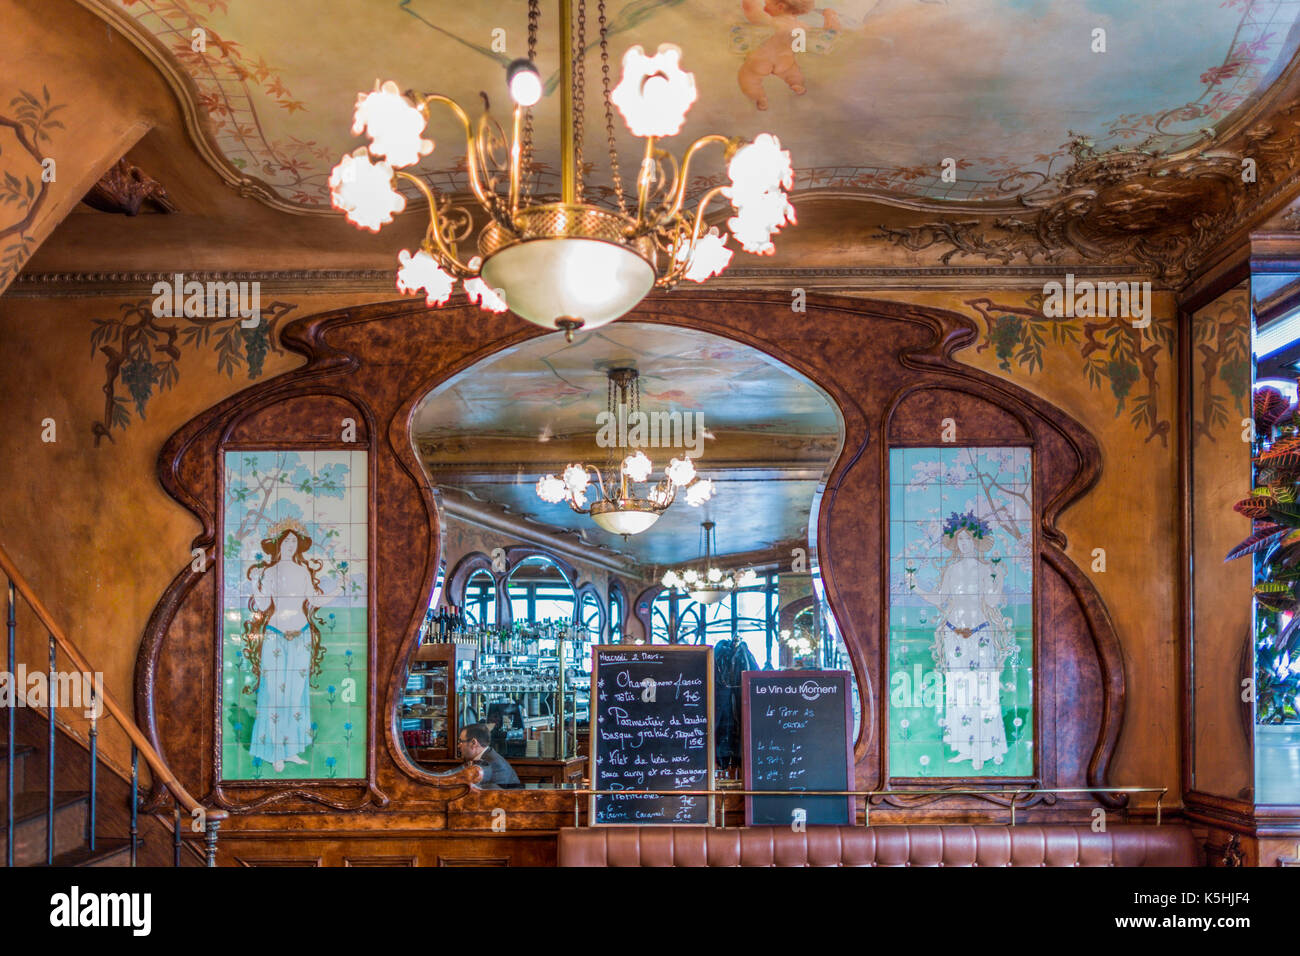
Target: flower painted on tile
(331,763)
(347,731)
(257,765)
(330,694)
(347,657)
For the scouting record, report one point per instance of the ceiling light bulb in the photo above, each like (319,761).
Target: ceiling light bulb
(524,81)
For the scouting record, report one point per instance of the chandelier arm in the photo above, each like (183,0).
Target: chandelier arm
(473,160)
(732,143)
(643,181)
(484,131)
(670,193)
(678,269)
(600,481)
(459,268)
(574,505)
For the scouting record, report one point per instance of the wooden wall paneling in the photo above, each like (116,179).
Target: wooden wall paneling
(385,358)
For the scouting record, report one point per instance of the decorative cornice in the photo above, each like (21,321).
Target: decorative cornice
(1129,205)
(42,285)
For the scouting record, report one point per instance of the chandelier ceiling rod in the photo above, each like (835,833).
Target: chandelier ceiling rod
(568,161)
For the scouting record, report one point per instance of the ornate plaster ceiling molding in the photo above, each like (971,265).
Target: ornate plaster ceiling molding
(1129,205)
(54,285)
(125,189)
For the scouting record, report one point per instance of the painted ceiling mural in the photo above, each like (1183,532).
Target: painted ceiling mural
(884,92)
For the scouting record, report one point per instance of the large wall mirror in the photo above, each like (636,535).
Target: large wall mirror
(763,435)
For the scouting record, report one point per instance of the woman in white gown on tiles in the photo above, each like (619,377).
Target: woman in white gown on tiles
(283,643)
(972,641)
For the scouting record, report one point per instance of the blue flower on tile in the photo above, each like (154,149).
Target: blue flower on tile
(257,768)
(330,691)
(347,731)
(331,763)
(347,658)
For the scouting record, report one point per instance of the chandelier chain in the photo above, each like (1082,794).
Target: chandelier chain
(579,88)
(609,109)
(526,159)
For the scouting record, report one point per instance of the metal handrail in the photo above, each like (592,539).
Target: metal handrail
(211,818)
(1013,792)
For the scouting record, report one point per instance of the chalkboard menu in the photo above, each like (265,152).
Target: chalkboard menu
(798,729)
(651,729)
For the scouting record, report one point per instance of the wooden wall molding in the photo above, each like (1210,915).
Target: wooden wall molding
(387,357)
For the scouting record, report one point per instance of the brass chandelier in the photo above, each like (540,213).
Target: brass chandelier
(569,264)
(708,583)
(619,508)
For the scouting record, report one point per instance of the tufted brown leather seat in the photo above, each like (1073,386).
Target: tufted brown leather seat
(1024,845)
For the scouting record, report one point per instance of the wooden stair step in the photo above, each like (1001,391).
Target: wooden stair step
(22,752)
(32,804)
(71,809)
(107,852)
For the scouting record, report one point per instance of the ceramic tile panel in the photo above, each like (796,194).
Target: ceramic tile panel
(295,602)
(961,643)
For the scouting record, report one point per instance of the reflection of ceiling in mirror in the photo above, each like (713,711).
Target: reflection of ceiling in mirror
(777,433)
(750,515)
(547,387)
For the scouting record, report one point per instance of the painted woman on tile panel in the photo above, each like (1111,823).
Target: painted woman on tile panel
(972,642)
(282,642)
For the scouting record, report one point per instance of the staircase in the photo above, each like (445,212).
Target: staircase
(61,803)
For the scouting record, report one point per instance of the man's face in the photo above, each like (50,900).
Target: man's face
(470,749)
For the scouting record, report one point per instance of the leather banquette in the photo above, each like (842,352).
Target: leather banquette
(946,845)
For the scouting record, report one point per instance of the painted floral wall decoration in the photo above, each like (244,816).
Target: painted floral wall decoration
(1114,353)
(141,353)
(26,126)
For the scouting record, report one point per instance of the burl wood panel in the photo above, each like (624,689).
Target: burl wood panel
(888,368)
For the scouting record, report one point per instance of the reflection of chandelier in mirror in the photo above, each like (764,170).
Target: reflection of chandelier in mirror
(708,583)
(619,510)
(569,264)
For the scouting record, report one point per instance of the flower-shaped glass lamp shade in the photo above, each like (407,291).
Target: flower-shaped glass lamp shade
(476,290)
(637,466)
(575,479)
(655,93)
(680,471)
(364,191)
(709,257)
(699,491)
(551,489)
(394,125)
(421,271)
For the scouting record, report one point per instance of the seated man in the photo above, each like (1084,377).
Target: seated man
(474,748)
